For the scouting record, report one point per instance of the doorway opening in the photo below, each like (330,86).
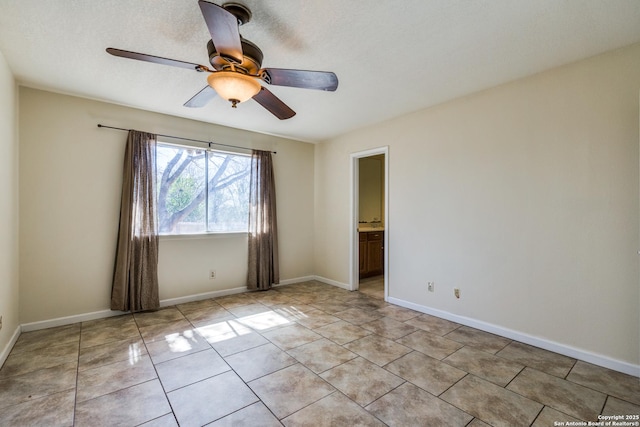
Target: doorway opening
(369,222)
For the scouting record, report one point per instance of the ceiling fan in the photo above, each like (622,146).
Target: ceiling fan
(237,62)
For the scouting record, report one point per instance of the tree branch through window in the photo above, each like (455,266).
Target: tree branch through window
(201,191)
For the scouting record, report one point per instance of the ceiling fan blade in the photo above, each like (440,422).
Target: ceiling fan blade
(322,80)
(223,27)
(201,98)
(156,59)
(272,103)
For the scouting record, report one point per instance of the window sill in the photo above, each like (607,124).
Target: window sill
(213,235)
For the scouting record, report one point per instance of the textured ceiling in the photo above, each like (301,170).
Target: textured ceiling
(391,57)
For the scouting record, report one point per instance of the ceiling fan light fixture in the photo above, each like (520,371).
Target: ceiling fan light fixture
(233,86)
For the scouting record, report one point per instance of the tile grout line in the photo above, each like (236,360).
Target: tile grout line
(75,393)
(232,370)
(301,364)
(317,375)
(124,388)
(155,370)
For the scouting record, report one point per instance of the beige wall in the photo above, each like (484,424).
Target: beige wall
(371,188)
(70,183)
(524,196)
(8,209)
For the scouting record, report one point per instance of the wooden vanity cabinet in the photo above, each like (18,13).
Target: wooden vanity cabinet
(371,253)
(362,253)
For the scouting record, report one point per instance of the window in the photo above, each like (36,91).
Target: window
(201,191)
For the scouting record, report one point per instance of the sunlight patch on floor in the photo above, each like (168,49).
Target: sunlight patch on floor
(262,321)
(180,342)
(134,354)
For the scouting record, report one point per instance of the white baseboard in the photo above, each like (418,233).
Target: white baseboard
(332,282)
(576,353)
(68,320)
(205,295)
(295,280)
(7,348)
(312,277)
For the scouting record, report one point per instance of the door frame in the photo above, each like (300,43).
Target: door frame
(354,216)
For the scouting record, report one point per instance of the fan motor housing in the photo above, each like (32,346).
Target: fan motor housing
(240,11)
(251,58)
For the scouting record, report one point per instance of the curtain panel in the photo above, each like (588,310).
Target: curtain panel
(135,278)
(263,269)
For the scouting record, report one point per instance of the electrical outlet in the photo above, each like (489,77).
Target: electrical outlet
(431,286)
(212,274)
(456,292)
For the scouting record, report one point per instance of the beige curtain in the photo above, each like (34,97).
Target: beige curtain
(135,277)
(263,231)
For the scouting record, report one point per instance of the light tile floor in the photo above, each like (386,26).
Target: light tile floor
(372,286)
(299,355)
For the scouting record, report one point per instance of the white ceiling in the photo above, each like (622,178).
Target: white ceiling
(391,57)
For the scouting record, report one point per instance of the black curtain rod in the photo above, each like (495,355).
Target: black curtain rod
(184,139)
